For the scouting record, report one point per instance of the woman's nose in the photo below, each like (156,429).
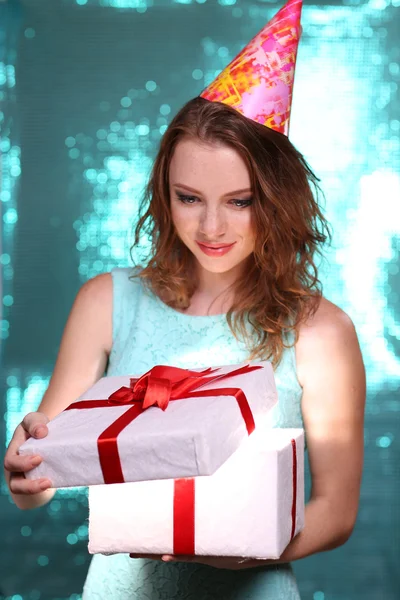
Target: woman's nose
(212,223)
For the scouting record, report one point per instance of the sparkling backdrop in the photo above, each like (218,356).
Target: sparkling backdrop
(87,88)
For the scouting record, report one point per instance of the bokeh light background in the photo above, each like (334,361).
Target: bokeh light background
(87,88)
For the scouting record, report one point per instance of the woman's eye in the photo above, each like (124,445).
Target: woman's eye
(187,199)
(242,203)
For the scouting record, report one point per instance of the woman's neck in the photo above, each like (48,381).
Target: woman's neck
(214,293)
(213,284)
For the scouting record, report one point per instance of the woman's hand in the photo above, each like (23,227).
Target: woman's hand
(34,425)
(220,562)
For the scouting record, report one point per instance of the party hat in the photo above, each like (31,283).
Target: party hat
(259,81)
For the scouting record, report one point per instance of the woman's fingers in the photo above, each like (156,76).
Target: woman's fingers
(13,462)
(19,485)
(35,424)
(150,556)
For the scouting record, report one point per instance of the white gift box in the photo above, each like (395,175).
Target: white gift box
(193,436)
(252,506)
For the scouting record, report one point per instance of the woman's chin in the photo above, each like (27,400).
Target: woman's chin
(215,265)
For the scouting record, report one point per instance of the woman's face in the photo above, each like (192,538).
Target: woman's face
(211,199)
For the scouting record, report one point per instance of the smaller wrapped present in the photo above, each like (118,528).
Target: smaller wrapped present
(252,506)
(168,423)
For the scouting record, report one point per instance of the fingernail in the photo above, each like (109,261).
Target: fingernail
(44,484)
(36,461)
(38,430)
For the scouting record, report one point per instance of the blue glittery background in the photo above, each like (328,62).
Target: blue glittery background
(87,88)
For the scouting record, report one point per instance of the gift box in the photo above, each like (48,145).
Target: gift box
(168,423)
(252,506)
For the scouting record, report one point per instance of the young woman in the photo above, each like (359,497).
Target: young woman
(235,228)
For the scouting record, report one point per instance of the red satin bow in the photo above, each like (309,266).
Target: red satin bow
(160,385)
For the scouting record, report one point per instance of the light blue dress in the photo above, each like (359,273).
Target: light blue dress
(147,332)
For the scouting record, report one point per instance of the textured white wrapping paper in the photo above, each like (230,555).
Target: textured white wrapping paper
(192,437)
(243,509)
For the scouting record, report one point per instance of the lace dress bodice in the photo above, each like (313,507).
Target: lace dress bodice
(147,332)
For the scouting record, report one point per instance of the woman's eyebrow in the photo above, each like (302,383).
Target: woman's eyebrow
(189,189)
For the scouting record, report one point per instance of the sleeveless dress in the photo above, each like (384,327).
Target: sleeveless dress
(147,332)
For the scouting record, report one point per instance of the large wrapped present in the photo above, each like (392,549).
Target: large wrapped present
(116,432)
(252,506)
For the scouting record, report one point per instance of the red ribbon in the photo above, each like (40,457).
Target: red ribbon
(184,519)
(294,477)
(184,511)
(156,388)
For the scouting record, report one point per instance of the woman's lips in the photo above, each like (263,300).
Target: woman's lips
(215,249)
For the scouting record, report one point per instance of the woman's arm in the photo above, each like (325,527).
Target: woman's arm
(85,346)
(81,361)
(331,372)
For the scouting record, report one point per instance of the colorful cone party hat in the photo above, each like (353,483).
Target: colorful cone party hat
(259,81)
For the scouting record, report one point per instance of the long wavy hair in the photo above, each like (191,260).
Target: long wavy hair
(279,288)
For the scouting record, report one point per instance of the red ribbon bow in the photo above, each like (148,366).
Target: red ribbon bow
(156,388)
(160,385)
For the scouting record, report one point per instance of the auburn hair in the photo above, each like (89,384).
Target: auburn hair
(279,287)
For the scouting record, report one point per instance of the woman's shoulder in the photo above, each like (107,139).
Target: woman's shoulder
(105,289)
(98,289)
(326,319)
(325,337)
